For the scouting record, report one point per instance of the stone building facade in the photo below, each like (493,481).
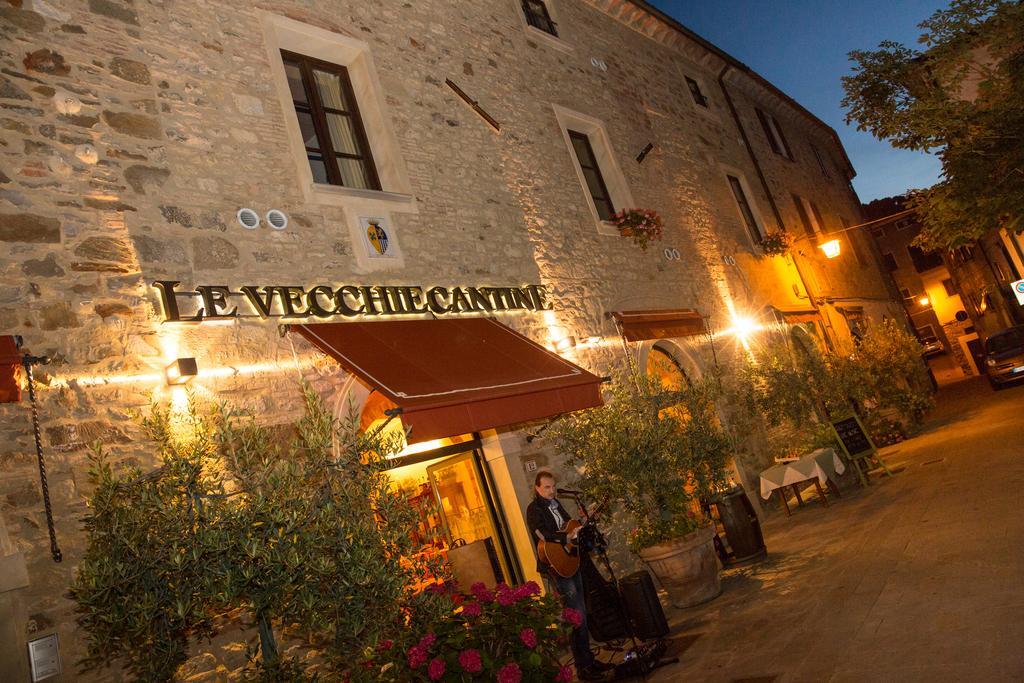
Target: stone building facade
(133,133)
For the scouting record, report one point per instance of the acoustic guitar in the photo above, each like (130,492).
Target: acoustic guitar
(564,560)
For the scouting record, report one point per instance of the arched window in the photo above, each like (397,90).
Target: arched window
(663,366)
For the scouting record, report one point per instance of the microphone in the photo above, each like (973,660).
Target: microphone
(568,492)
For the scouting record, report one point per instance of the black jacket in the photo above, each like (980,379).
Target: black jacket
(539,518)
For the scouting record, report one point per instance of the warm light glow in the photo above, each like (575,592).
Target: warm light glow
(743,327)
(414,448)
(181,371)
(565,344)
(831,248)
(924,301)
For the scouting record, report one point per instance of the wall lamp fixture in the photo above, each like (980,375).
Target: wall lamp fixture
(181,371)
(831,248)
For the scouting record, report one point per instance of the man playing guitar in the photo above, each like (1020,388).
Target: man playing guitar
(547,520)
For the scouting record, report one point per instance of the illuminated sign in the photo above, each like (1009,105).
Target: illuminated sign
(1018,289)
(217,302)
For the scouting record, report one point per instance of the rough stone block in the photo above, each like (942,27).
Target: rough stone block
(130,70)
(213,253)
(136,125)
(140,177)
(29,227)
(114,10)
(58,317)
(46,61)
(155,250)
(105,249)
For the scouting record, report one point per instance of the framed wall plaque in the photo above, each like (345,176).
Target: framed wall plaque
(44,656)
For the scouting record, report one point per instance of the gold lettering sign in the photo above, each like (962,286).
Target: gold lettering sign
(291,302)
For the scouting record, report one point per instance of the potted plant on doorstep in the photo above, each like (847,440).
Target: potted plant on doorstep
(656,453)
(643,225)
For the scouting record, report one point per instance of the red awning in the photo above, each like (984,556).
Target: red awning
(455,376)
(659,324)
(10,361)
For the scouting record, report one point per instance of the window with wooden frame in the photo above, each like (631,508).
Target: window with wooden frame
(890,262)
(538,16)
(332,130)
(805,218)
(855,244)
(592,173)
(699,97)
(819,222)
(745,209)
(773,131)
(950,288)
(821,163)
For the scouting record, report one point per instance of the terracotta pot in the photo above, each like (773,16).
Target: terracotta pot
(687,567)
(625,232)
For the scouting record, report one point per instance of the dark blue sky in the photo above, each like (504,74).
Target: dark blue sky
(801,47)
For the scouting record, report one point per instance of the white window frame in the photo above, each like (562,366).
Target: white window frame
(614,180)
(556,42)
(754,209)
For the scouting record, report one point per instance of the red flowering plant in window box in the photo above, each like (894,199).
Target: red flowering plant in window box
(510,634)
(643,225)
(776,243)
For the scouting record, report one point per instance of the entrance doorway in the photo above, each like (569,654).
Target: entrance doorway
(452,490)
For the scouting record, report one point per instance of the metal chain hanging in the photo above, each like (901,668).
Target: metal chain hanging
(27,362)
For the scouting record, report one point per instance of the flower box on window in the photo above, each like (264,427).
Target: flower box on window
(643,225)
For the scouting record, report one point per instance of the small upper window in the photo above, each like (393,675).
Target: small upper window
(805,216)
(821,162)
(745,209)
(592,173)
(950,288)
(773,131)
(698,96)
(538,16)
(332,129)
(890,262)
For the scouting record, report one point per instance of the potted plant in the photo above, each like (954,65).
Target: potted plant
(643,225)
(508,634)
(656,453)
(776,243)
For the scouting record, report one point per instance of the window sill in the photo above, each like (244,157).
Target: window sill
(380,200)
(548,39)
(607,228)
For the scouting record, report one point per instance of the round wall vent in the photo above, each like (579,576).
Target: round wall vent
(278,219)
(249,219)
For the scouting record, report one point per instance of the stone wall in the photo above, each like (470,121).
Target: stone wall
(132,132)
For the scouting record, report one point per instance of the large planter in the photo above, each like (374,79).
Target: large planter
(687,567)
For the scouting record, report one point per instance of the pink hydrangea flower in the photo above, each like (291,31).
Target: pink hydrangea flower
(426,641)
(572,616)
(436,669)
(471,609)
(510,673)
(417,657)
(506,596)
(470,661)
(564,675)
(529,637)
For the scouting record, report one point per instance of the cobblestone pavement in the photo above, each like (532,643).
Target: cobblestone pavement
(917,578)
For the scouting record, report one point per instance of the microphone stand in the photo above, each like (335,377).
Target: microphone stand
(648,658)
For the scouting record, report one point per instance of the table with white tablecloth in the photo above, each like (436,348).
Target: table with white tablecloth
(819,466)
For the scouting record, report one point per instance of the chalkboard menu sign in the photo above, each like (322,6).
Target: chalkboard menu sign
(854,438)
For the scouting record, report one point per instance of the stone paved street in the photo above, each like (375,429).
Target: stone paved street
(918,578)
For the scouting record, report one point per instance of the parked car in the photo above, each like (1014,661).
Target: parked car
(1004,357)
(930,346)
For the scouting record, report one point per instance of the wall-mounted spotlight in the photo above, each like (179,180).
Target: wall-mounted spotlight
(831,248)
(565,344)
(181,371)
(924,300)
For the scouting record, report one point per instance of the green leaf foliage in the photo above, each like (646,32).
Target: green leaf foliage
(960,97)
(296,526)
(654,452)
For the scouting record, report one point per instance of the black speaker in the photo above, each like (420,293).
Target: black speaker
(605,618)
(642,607)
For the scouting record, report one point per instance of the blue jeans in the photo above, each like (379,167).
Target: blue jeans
(571,592)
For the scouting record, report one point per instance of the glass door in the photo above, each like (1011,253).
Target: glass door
(465,507)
